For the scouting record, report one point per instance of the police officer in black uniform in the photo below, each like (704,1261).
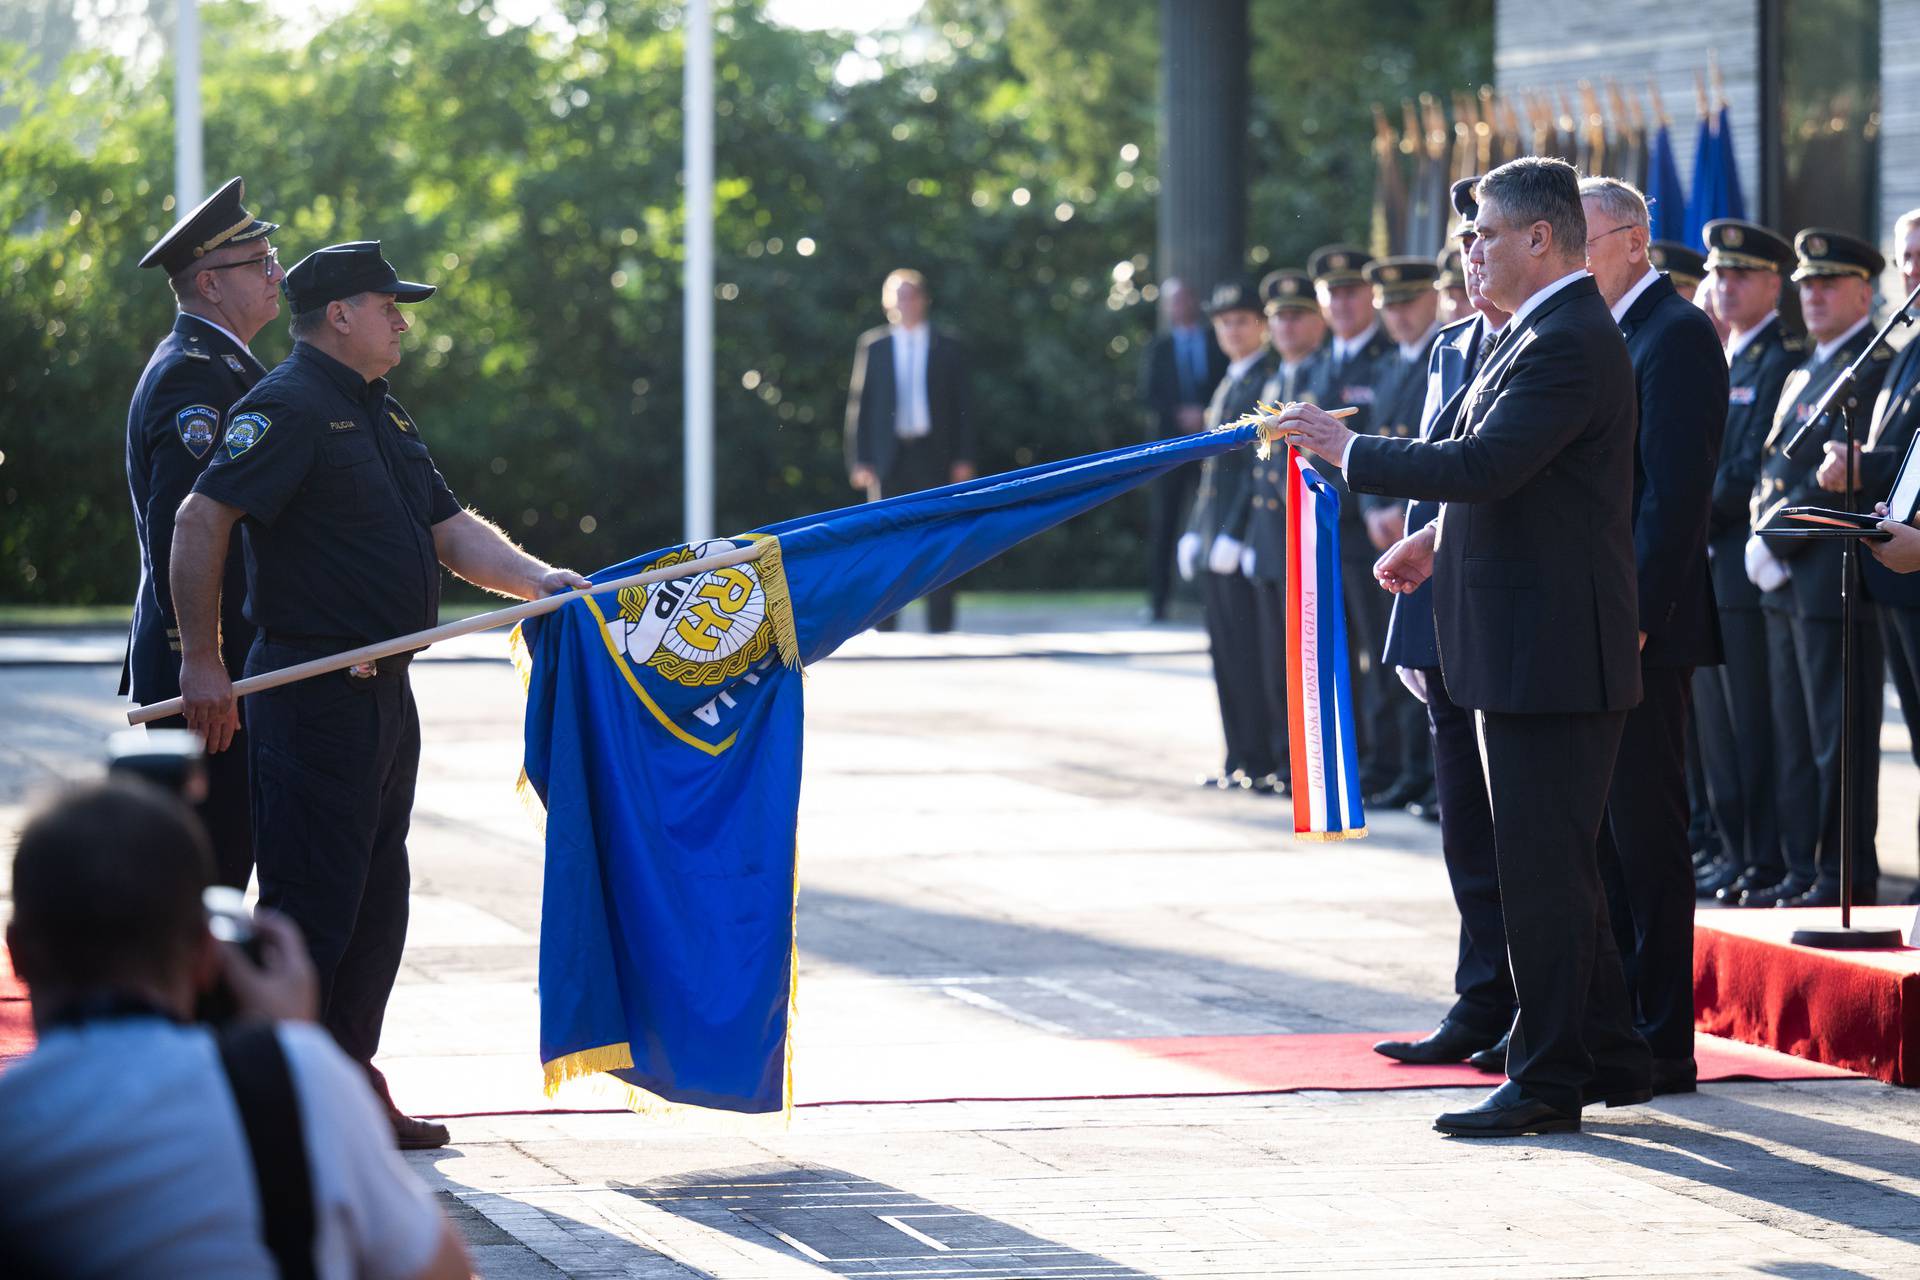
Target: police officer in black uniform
(1730,702)
(1297,331)
(346,522)
(226,283)
(1803,613)
(1212,547)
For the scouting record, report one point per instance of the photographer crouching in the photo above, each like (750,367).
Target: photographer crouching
(142,1142)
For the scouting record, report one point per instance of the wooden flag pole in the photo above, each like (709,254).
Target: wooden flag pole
(448,631)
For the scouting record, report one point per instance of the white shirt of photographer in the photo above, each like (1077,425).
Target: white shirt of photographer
(124,1156)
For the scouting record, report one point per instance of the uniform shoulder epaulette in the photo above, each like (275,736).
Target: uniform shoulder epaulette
(195,353)
(1457,325)
(1882,353)
(1791,342)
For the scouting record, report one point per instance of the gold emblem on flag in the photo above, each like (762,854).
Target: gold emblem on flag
(696,631)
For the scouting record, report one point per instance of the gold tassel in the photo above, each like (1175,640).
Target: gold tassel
(586,1062)
(1328,837)
(772,570)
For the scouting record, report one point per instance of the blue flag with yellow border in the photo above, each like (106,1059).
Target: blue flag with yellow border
(663,736)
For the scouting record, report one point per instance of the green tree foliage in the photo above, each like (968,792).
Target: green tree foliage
(532,172)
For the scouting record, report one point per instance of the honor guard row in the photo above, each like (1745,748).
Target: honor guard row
(344,525)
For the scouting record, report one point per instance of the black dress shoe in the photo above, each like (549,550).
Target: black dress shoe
(1493,1058)
(1711,879)
(1450,1042)
(1825,894)
(1616,1091)
(1748,880)
(1427,807)
(1270,784)
(1675,1075)
(1398,793)
(1773,894)
(1237,780)
(1507,1113)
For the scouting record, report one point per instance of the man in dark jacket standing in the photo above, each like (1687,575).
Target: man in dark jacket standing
(1536,613)
(908,427)
(1730,701)
(225,278)
(1681,377)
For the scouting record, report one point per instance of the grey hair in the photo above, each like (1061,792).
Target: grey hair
(1538,189)
(1903,224)
(304,324)
(1621,201)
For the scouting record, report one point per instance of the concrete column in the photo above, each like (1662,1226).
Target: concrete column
(1203,141)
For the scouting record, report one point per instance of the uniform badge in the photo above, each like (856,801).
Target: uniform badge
(400,421)
(343,426)
(1741,395)
(1362,394)
(197,424)
(244,432)
(233,362)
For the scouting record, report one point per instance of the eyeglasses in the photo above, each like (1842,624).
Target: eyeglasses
(271,258)
(1628,226)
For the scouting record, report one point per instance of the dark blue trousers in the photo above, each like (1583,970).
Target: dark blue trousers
(334,760)
(1482,980)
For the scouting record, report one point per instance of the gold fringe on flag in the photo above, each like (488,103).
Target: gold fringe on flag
(772,568)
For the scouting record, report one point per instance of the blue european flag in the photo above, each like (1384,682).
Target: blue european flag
(663,735)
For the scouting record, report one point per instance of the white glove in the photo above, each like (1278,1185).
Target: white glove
(1415,680)
(1186,555)
(1224,557)
(1246,562)
(1764,570)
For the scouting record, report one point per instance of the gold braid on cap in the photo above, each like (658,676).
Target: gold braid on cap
(208,246)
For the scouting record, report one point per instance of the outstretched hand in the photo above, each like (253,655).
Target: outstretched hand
(1407,564)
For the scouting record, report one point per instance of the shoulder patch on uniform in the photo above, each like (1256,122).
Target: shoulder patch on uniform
(233,362)
(197,425)
(402,421)
(245,431)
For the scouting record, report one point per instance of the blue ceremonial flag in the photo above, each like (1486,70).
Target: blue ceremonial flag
(663,736)
(1716,179)
(1666,199)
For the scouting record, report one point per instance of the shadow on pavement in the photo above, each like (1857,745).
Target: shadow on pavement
(849,1225)
(1718,1158)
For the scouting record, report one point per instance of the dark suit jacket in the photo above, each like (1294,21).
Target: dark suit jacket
(1753,394)
(872,398)
(1680,369)
(1450,365)
(1223,501)
(1896,418)
(1161,385)
(174,425)
(1267,506)
(1813,591)
(1402,391)
(1534,601)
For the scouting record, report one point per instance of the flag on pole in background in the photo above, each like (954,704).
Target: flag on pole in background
(663,736)
(1666,199)
(1716,180)
(1324,757)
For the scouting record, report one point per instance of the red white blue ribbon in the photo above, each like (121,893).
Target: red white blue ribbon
(1326,763)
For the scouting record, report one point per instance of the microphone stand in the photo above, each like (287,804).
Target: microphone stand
(1843,396)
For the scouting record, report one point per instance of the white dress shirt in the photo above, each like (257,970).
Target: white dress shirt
(1826,349)
(1632,295)
(911,418)
(221,329)
(1736,343)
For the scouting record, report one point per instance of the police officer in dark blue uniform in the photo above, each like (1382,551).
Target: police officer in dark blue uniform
(226,283)
(346,522)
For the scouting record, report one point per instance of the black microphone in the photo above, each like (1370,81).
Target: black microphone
(1805,433)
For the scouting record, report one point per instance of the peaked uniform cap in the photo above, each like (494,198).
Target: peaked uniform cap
(218,220)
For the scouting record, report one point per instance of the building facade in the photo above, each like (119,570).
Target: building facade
(1824,95)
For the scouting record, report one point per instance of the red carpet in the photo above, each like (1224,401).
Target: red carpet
(16,1023)
(1854,1009)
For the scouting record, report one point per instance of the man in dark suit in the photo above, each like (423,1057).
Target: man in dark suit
(1537,618)
(1405,291)
(1177,379)
(225,278)
(1482,982)
(908,427)
(1800,593)
(1297,332)
(1895,420)
(1680,374)
(1213,547)
(1730,701)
